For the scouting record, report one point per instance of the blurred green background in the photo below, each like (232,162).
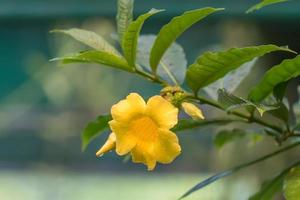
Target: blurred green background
(44,107)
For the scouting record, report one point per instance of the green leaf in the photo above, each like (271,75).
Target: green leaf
(100,57)
(280,90)
(90,39)
(171,31)
(288,180)
(94,129)
(264,3)
(269,188)
(130,39)
(281,112)
(229,102)
(288,69)
(233,170)
(185,124)
(212,66)
(291,185)
(124,16)
(173,64)
(226,136)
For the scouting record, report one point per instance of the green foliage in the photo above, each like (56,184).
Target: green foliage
(279,91)
(236,169)
(226,136)
(288,180)
(269,188)
(230,102)
(124,16)
(90,39)
(99,57)
(212,66)
(171,31)
(161,60)
(291,185)
(264,3)
(231,81)
(288,69)
(281,112)
(130,38)
(173,64)
(186,124)
(94,129)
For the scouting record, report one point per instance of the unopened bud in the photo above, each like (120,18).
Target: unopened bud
(192,110)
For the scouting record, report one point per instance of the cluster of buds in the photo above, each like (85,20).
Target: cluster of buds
(177,97)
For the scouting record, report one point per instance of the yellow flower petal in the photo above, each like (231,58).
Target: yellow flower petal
(167,148)
(162,111)
(127,109)
(141,155)
(192,110)
(125,140)
(108,145)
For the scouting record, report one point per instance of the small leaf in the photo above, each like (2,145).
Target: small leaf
(96,57)
(173,64)
(288,69)
(264,3)
(124,16)
(185,124)
(226,136)
(211,66)
(94,129)
(291,186)
(90,39)
(130,39)
(230,102)
(171,31)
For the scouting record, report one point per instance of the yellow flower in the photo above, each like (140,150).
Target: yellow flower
(110,144)
(192,111)
(143,129)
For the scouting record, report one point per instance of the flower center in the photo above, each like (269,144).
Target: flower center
(145,129)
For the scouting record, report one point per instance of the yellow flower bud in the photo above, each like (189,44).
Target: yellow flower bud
(110,144)
(192,110)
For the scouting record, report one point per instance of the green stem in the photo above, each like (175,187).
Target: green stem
(236,169)
(248,117)
(150,77)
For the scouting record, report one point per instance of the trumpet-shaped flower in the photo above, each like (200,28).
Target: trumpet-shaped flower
(143,129)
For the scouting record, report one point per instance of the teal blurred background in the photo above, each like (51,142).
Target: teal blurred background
(44,107)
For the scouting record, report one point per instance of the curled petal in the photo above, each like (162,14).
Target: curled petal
(110,144)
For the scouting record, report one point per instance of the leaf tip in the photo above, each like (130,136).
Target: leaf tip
(154,10)
(56,31)
(54,59)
